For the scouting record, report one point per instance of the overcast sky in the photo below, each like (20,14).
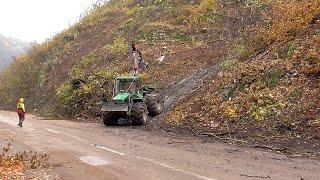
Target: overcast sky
(31,20)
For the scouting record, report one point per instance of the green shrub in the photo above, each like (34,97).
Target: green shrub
(291,50)
(273,77)
(42,78)
(296,93)
(76,73)
(119,46)
(228,63)
(87,61)
(258,113)
(65,93)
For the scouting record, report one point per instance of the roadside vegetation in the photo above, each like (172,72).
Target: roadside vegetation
(265,92)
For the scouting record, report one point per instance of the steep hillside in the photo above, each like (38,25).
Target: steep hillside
(9,49)
(268,59)
(195,35)
(272,98)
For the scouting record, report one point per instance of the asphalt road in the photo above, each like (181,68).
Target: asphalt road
(93,151)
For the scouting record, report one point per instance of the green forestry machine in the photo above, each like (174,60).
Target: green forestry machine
(130,99)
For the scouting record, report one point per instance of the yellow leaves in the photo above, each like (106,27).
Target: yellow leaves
(119,46)
(208,5)
(175,117)
(145,77)
(231,112)
(106,74)
(86,88)
(258,113)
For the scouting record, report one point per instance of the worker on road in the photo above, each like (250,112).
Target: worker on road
(21,111)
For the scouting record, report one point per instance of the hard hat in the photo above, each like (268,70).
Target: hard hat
(21,100)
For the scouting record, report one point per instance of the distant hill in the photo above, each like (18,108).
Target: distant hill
(10,48)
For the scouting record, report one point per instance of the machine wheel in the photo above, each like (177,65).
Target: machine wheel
(154,104)
(110,119)
(139,114)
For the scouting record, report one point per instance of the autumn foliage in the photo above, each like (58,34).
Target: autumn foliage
(288,17)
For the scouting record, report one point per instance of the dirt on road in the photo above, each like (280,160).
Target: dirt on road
(93,151)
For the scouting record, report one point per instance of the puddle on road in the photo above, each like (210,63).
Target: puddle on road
(94,160)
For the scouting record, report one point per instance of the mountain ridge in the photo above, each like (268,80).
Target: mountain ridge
(10,48)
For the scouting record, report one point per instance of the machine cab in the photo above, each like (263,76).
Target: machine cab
(127,85)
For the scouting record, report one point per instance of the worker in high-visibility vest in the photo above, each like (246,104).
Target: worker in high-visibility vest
(21,110)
